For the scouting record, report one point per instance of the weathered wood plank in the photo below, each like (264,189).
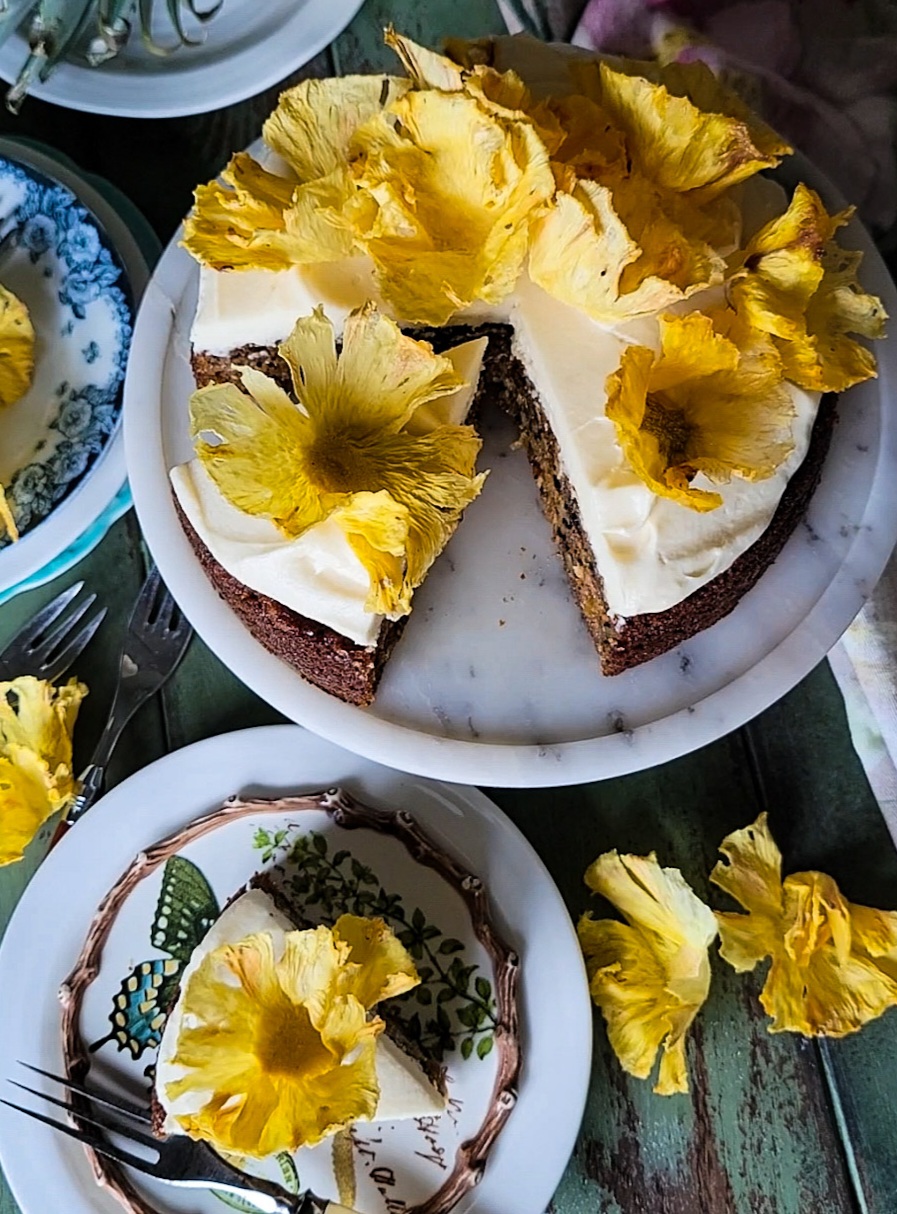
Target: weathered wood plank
(825,816)
(755,1136)
(205,699)
(360,47)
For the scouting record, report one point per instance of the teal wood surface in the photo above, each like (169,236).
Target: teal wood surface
(773,1124)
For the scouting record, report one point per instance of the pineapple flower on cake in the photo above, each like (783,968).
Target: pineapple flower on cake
(834,964)
(795,283)
(16,372)
(650,975)
(618,191)
(713,401)
(643,171)
(282,1047)
(437,188)
(36,780)
(646,206)
(347,449)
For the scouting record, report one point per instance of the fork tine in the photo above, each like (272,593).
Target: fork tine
(45,617)
(93,1117)
(121,1105)
(60,662)
(92,1140)
(145,599)
(50,640)
(165,611)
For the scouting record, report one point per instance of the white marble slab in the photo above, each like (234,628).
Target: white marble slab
(495,680)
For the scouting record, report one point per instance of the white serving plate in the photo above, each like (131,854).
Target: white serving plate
(495,680)
(71,526)
(246,48)
(531,1151)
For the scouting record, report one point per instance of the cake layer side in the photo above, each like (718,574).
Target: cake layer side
(326,658)
(626,642)
(323,656)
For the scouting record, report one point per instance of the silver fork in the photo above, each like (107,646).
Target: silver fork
(157,636)
(178,1160)
(45,651)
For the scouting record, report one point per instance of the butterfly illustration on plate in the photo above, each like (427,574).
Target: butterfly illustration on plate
(186,910)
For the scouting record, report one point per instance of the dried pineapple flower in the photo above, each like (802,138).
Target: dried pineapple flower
(436,184)
(282,1046)
(16,348)
(36,723)
(501,93)
(710,403)
(834,964)
(650,976)
(343,452)
(616,251)
(798,285)
(642,217)
(684,131)
(7,521)
(456,186)
(255,220)
(314,123)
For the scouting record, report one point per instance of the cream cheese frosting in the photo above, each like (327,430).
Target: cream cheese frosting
(316,574)
(404,1089)
(651,551)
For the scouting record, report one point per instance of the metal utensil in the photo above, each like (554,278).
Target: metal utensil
(52,31)
(155,642)
(177,1160)
(47,645)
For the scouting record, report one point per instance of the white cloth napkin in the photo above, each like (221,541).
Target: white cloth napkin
(864,663)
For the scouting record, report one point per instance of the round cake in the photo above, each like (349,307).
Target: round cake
(592,245)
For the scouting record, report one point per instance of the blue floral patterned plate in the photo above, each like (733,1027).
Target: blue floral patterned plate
(67,271)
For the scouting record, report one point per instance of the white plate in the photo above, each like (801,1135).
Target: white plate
(248,47)
(495,680)
(95,493)
(532,1150)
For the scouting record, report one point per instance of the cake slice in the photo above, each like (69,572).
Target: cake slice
(407,1087)
(331,595)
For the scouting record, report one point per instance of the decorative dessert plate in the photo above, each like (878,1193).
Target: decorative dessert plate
(244,49)
(61,458)
(495,680)
(439,862)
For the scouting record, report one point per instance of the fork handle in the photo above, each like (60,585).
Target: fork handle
(273,1199)
(125,702)
(89,785)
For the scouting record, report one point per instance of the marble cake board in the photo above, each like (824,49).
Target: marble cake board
(495,680)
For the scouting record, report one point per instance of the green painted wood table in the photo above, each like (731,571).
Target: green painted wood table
(774,1124)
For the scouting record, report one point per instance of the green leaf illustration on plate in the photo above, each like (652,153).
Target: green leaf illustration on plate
(289,1178)
(457,1001)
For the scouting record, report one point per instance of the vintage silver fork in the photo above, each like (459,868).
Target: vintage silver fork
(177,1160)
(155,642)
(45,651)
